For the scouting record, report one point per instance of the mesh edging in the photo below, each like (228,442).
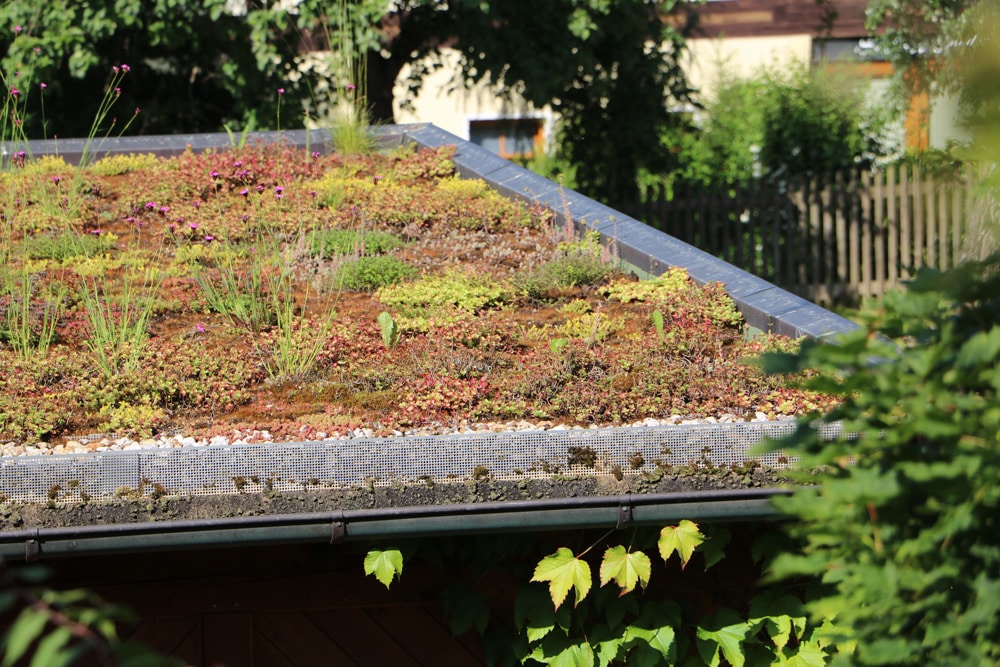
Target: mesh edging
(298,466)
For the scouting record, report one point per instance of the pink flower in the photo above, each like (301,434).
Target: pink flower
(281,91)
(114,68)
(209,238)
(350,86)
(118,91)
(137,111)
(95,232)
(18,29)
(43,85)
(14,92)
(245,192)
(126,68)
(200,328)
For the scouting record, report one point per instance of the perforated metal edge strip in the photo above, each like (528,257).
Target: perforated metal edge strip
(222,469)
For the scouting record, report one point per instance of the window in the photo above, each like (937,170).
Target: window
(508,137)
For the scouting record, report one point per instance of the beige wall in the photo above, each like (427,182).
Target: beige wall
(444,102)
(740,57)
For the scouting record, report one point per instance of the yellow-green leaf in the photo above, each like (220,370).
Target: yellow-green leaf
(563,571)
(625,568)
(683,538)
(385,565)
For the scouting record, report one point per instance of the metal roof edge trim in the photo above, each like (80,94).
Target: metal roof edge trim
(764,306)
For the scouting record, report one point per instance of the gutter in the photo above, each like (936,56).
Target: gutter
(612,512)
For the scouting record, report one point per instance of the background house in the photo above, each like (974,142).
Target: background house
(741,36)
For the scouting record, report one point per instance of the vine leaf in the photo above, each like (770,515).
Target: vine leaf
(625,568)
(660,640)
(26,629)
(563,571)
(682,538)
(714,549)
(385,565)
(731,633)
(465,609)
(809,654)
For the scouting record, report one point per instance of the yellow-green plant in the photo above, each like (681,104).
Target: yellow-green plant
(443,297)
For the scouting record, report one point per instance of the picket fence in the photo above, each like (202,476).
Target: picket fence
(832,238)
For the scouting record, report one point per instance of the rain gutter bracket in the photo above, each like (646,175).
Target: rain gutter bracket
(33,547)
(624,515)
(338,529)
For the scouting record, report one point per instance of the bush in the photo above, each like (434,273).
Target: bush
(901,522)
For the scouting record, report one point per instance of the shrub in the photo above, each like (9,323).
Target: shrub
(900,520)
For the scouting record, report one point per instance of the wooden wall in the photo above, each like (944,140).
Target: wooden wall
(760,18)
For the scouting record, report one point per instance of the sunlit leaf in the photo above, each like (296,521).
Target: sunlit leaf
(25,630)
(728,637)
(385,565)
(563,571)
(625,568)
(683,538)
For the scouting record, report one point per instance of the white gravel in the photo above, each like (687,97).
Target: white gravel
(102,442)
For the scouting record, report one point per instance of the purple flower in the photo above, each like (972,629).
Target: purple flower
(126,68)
(193,225)
(315,154)
(245,192)
(200,328)
(163,210)
(56,179)
(260,189)
(95,232)
(214,174)
(14,92)
(150,205)
(278,190)
(376,179)
(350,86)
(209,238)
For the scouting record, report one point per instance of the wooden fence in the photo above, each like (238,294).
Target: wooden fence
(832,238)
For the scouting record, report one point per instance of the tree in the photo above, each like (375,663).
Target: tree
(927,41)
(610,69)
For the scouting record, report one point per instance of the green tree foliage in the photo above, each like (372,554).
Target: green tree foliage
(610,69)
(785,121)
(927,41)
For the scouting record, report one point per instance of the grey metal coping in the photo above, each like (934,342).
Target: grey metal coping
(763,305)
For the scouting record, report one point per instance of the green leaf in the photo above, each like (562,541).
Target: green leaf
(625,568)
(51,649)
(563,571)
(385,565)
(577,655)
(729,636)
(808,654)
(659,639)
(683,538)
(715,544)
(465,610)
(26,629)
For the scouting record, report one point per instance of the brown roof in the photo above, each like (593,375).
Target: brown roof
(761,18)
